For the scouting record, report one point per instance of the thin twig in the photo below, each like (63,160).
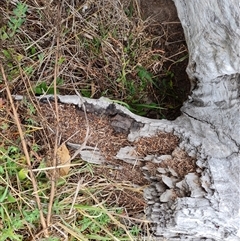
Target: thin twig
(80,182)
(26,153)
(54,163)
(82,105)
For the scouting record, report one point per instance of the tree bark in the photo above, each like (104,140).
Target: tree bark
(209,126)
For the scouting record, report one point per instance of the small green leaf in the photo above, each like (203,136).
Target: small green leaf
(22,174)
(86,93)
(50,90)
(19,57)
(41,88)
(59,81)
(3,33)
(28,70)
(4,195)
(41,57)
(10,198)
(38,90)
(33,50)
(7,53)
(144,74)
(61,60)
(43,85)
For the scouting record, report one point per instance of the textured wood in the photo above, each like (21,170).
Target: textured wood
(209,126)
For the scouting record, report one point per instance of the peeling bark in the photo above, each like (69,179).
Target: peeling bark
(209,126)
(203,204)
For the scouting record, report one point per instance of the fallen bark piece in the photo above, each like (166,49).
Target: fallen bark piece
(92,156)
(129,155)
(167,196)
(121,123)
(168,181)
(192,180)
(88,153)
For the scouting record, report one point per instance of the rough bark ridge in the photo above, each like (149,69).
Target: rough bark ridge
(210,121)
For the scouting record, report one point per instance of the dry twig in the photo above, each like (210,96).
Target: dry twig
(26,153)
(54,163)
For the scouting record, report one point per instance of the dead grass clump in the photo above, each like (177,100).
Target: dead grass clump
(104,50)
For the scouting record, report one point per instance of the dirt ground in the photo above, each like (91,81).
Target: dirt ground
(127,181)
(104,137)
(166,26)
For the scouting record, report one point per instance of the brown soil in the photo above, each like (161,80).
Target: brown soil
(127,181)
(166,27)
(119,183)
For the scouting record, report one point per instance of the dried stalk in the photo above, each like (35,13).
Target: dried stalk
(26,153)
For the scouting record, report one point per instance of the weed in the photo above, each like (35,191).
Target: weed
(15,22)
(8,32)
(86,92)
(35,147)
(96,223)
(44,88)
(166,86)
(9,168)
(136,91)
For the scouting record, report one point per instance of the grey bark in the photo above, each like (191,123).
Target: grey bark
(210,124)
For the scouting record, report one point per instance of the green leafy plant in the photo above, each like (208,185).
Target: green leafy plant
(44,88)
(137,91)
(166,85)
(96,224)
(9,169)
(15,22)
(86,92)
(12,173)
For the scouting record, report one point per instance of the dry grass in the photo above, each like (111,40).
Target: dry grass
(105,49)
(86,205)
(97,41)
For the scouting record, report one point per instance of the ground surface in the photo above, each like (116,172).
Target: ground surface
(138,57)
(97,63)
(107,140)
(168,31)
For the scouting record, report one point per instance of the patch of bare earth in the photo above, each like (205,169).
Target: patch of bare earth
(127,181)
(168,36)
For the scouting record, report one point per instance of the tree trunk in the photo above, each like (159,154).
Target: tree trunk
(210,124)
